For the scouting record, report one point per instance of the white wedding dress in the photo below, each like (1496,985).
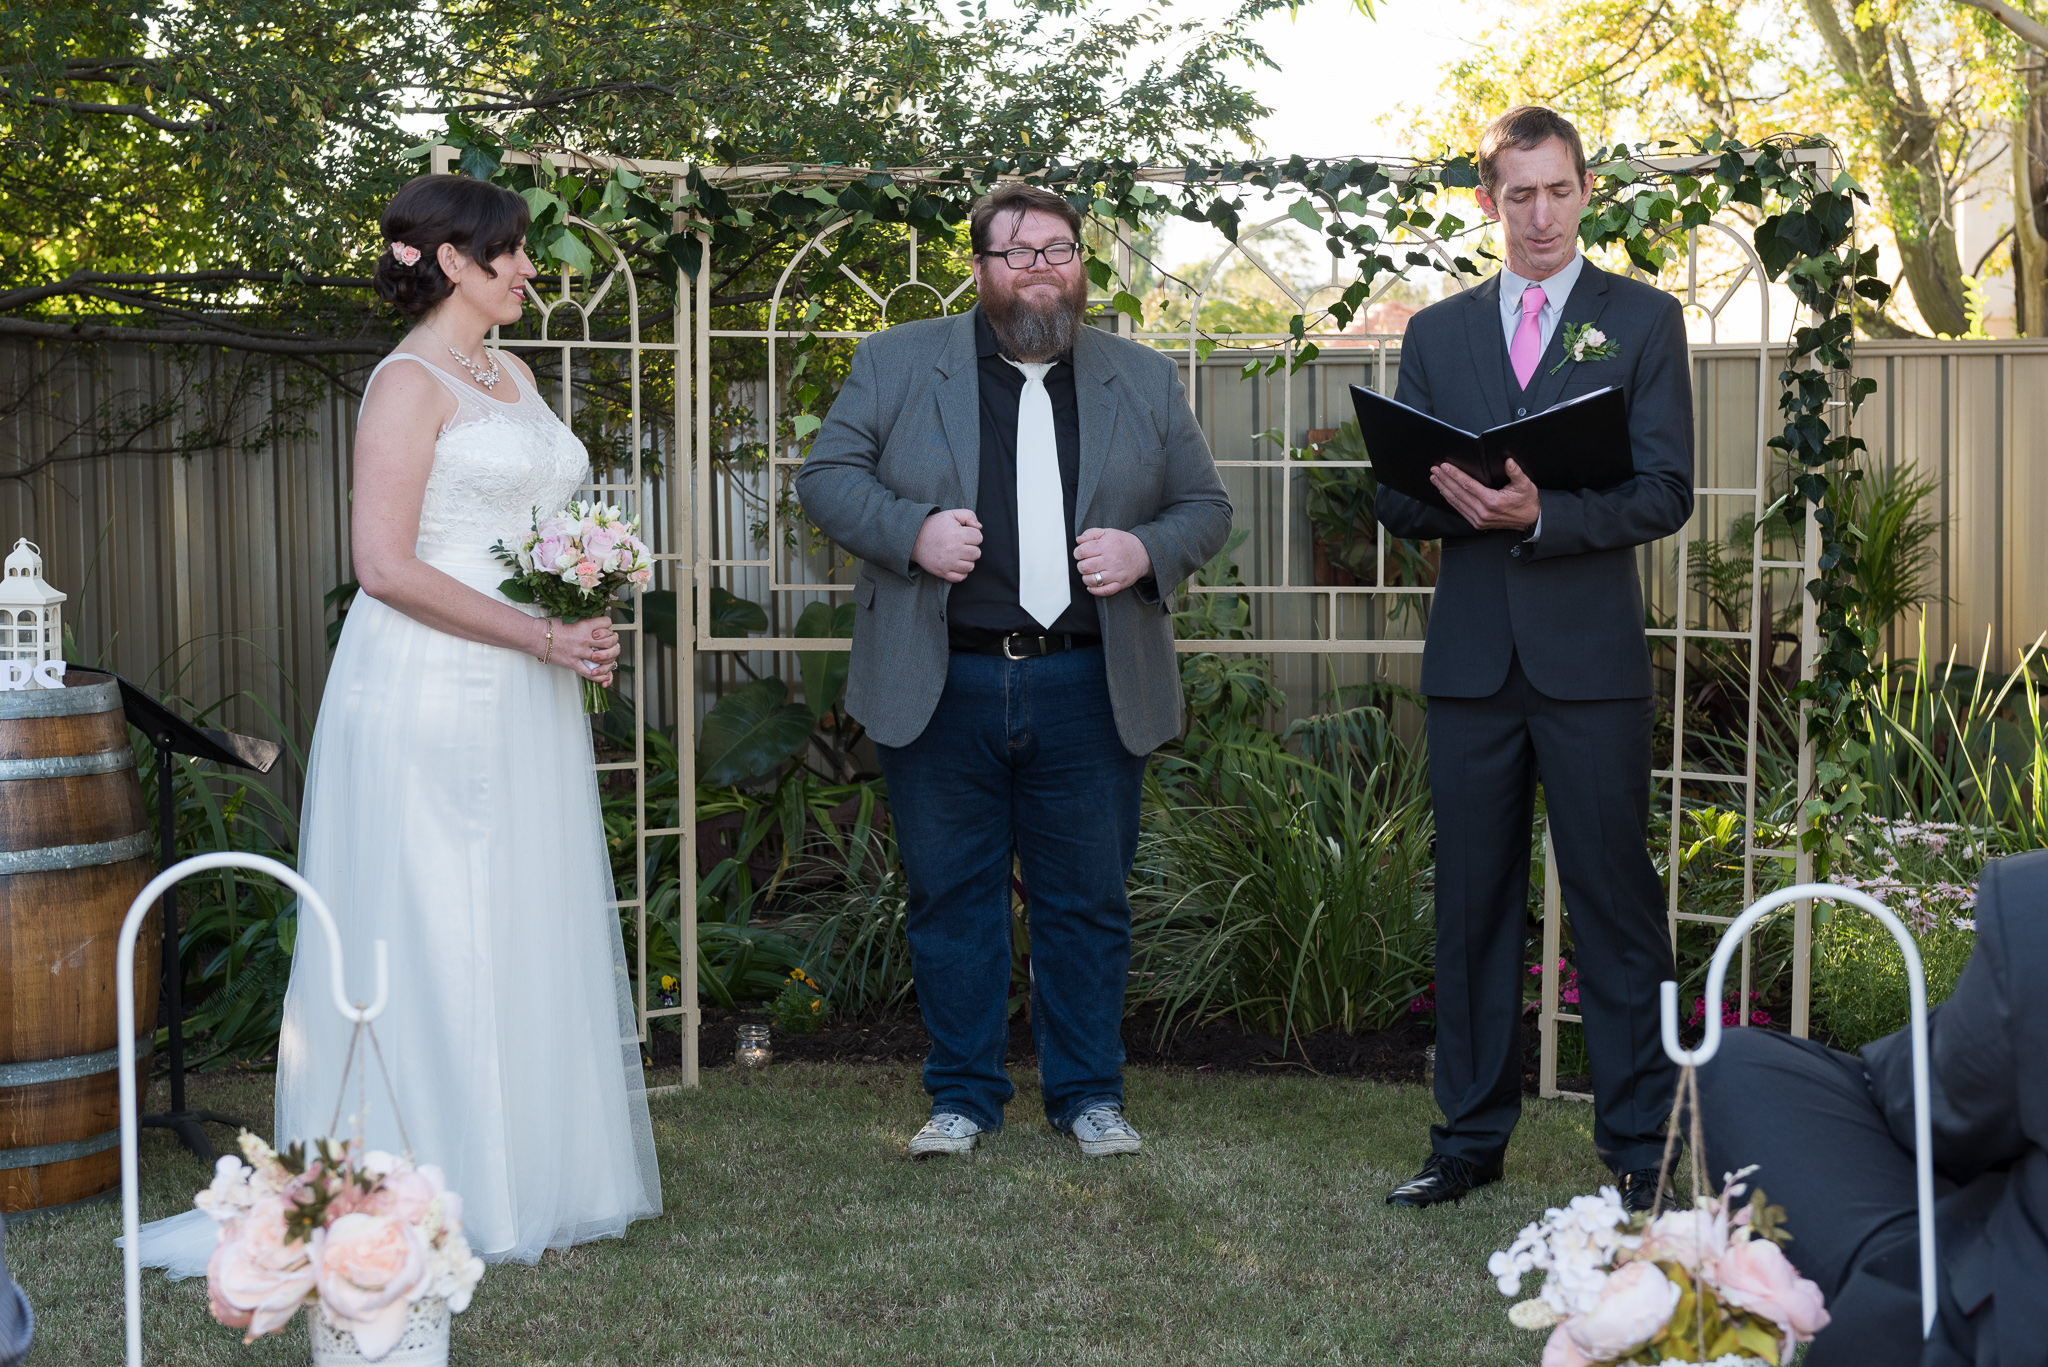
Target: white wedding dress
(451,810)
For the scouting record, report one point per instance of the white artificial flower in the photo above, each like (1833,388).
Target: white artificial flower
(1531,1314)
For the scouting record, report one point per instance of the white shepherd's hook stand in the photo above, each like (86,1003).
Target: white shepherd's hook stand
(124,979)
(1916,985)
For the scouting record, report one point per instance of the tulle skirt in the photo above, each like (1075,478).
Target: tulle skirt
(451,811)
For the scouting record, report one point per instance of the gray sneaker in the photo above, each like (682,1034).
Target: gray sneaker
(945,1133)
(1102,1132)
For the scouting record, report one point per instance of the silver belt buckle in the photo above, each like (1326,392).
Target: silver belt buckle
(1020,636)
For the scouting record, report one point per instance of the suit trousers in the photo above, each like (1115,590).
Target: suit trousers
(1803,1115)
(1020,760)
(1485,757)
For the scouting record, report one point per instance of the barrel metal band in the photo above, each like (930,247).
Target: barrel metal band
(76,856)
(77,1065)
(58,1153)
(72,700)
(68,766)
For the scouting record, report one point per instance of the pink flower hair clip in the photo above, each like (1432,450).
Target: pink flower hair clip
(407,256)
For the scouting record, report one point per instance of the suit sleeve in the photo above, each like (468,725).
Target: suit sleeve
(1974,1069)
(1193,520)
(1657,501)
(1398,513)
(838,483)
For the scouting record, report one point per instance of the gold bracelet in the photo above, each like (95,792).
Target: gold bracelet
(543,656)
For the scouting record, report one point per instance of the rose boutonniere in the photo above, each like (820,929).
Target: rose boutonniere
(1584,342)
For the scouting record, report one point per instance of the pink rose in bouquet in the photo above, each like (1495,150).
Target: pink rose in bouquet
(573,563)
(1755,1275)
(369,1270)
(1635,1304)
(258,1279)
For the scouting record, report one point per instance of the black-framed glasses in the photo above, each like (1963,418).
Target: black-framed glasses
(1024,258)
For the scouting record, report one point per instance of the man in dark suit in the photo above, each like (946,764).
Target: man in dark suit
(1026,493)
(1536,665)
(1831,1136)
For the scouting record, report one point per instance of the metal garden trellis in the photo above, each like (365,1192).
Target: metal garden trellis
(703,546)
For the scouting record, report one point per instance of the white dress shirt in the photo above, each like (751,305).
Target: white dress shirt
(1556,290)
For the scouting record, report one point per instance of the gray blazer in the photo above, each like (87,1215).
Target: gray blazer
(1570,604)
(903,441)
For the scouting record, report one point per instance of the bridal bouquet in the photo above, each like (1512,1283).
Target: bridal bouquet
(573,563)
(1708,1286)
(361,1235)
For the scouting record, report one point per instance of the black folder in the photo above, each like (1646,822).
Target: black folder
(1579,444)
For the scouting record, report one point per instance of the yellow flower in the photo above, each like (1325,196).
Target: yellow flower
(668,982)
(815,1004)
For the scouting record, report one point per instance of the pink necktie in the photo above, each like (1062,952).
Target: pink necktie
(1528,344)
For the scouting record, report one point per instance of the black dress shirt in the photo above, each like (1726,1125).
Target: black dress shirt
(986,600)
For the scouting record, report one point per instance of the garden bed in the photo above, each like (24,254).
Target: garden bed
(898,1036)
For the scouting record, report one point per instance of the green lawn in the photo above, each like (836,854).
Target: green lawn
(1252,1231)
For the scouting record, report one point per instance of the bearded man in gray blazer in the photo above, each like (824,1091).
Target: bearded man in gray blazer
(1025,493)
(1536,664)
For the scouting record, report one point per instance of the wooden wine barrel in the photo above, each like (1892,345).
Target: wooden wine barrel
(74,851)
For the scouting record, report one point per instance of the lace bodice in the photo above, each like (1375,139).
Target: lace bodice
(495,461)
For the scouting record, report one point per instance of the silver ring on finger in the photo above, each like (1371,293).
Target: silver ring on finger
(1098,579)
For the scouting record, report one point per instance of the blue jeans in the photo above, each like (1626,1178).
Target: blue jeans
(1020,758)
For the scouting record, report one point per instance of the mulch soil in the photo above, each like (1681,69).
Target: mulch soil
(898,1036)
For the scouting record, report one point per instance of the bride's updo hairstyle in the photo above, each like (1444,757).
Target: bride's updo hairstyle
(481,220)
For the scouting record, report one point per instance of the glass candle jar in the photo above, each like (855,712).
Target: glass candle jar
(752,1049)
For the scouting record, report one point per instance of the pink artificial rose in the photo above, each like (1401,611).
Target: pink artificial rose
(370,1269)
(643,575)
(587,573)
(406,1193)
(1690,1238)
(554,553)
(1560,1351)
(556,528)
(1635,1303)
(258,1279)
(1755,1275)
(600,543)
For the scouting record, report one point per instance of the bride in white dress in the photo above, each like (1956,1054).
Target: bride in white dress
(451,803)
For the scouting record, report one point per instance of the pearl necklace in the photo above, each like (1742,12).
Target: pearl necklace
(487,378)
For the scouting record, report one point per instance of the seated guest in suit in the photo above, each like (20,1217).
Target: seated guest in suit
(1831,1136)
(1536,666)
(1027,493)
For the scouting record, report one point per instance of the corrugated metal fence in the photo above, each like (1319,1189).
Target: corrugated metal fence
(197,552)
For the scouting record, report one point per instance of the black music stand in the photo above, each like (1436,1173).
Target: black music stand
(172,735)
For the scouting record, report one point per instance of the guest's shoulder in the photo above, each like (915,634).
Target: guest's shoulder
(1127,357)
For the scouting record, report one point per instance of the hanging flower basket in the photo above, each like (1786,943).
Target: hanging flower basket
(424,1342)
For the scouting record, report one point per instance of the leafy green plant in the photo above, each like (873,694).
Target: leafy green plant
(1300,907)
(799,1007)
(1889,514)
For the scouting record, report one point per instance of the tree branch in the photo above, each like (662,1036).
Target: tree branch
(231,341)
(2027,29)
(139,112)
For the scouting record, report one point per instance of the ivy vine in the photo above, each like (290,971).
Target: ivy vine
(1371,214)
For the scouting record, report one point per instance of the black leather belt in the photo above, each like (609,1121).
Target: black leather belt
(1019,645)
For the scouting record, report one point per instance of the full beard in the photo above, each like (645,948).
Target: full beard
(1037,331)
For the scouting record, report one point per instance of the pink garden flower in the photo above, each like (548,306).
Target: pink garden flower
(1560,1351)
(370,1268)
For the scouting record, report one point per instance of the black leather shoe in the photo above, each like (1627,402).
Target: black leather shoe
(1639,1193)
(1443,1178)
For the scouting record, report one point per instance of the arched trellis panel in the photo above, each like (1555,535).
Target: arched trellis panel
(701,545)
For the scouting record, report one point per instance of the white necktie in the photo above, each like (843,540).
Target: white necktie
(1042,587)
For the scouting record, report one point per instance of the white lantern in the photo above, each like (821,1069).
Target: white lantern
(31,623)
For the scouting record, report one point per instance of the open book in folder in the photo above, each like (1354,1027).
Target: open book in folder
(1579,444)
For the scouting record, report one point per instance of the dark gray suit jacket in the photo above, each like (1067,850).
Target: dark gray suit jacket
(1987,1051)
(903,440)
(1569,604)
